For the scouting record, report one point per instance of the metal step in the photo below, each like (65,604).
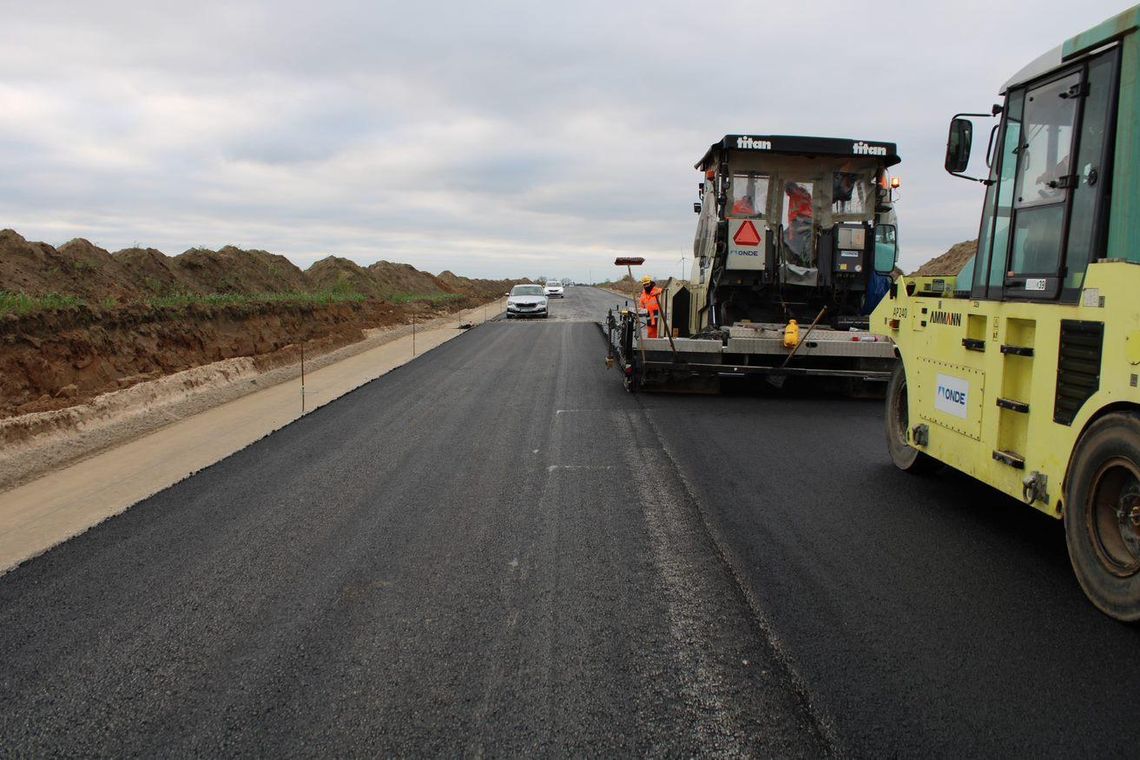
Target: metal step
(1013,459)
(1014,406)
(1016,350)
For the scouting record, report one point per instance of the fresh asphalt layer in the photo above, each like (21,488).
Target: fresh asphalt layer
(482,552)
(929,616)
(496,550)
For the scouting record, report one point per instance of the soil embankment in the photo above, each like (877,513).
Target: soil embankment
(79,321)
(53,359)
(949,263)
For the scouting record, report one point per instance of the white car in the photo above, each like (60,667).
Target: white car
(526,301)
(554,290)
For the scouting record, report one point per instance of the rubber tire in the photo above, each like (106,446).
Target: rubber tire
(1112,436)
(905,457)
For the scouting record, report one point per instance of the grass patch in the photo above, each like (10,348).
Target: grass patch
(22,303)
(425,297)
(176,300)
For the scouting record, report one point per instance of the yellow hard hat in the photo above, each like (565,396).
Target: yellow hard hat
(646,280)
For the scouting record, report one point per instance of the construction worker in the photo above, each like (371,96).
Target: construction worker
(744,207)
(745,204)
(650,302)
(798,233)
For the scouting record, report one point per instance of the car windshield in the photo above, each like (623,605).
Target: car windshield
(526,290)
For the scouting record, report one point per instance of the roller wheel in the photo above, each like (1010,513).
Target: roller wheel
(1102,515)
(906,457)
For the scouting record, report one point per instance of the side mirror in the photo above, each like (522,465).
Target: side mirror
(886,248)
(958,144)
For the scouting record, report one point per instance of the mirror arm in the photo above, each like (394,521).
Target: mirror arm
(979,115)
(986,182)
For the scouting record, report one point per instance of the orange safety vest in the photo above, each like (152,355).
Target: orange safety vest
(649,301)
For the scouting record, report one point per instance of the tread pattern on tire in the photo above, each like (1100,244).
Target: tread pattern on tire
(1114,435)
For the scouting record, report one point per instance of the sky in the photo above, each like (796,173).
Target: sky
(497,139)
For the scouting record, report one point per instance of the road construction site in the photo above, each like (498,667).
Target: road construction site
(495,549)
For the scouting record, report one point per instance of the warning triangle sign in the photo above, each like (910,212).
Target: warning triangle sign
(747,234)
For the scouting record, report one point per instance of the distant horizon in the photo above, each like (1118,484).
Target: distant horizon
(656,275)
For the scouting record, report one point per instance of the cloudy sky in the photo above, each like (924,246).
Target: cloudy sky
(492,139)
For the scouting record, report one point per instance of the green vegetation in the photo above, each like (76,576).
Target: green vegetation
(228,299)
(21,303)
(425,297)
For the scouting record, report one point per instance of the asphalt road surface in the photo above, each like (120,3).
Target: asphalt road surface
(496,550)
(483,552)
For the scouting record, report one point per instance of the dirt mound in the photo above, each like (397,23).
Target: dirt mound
(77,268)
(82,270)
(336,275)
(153,272)
(456,284)
(25,267)
(626,284)
(405,280)
(245,272)
(476,287)
(949,263)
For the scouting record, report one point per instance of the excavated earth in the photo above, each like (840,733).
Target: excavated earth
(949,263)
(55,359)
(106,321)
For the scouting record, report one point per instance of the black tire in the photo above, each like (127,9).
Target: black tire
(1102,515)
(906,457)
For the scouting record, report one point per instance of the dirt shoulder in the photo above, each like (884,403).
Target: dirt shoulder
(55,359)
(35,443)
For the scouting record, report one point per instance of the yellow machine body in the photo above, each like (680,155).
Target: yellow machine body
(986,377)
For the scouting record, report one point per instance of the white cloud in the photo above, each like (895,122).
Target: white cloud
(487,138)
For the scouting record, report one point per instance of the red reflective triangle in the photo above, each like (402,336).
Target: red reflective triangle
(747,234)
